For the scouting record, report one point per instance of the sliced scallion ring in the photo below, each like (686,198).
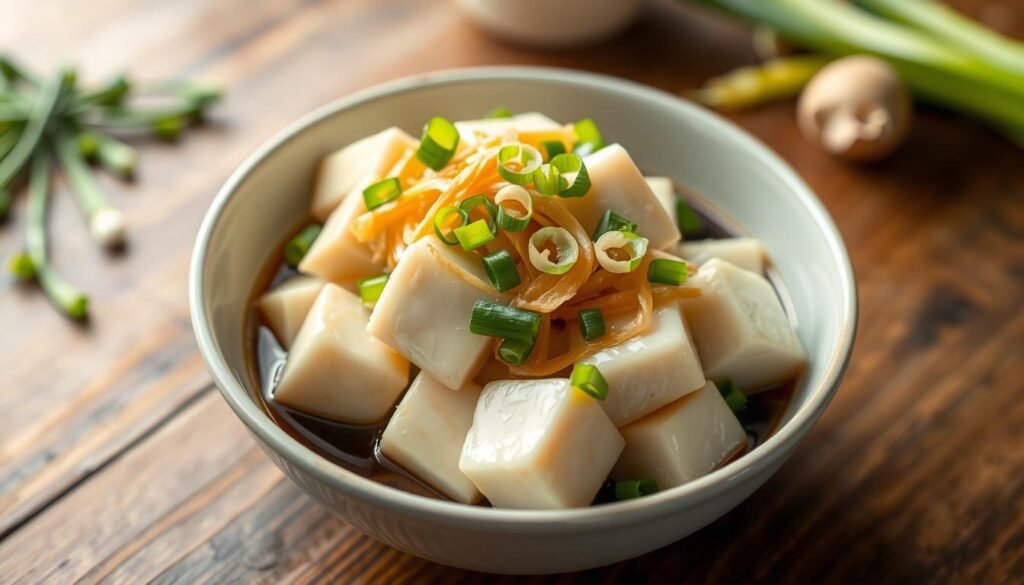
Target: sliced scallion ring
(296,248)
(474,235)
(588,378)
(591,323)
(689,222)
(574,180)
(497,320)
(588,137)
(512,220)
(501,270)
(442,216)
(733,396)
(515,352)
(370,288)
(499,112)
(438,144)
(481,200)
(547,179)
(518,162)
(665,271)
(628,248)
(382,192)
(566,250)
(613,222)
(634,488)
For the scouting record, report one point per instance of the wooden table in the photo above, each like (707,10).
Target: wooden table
(120,462)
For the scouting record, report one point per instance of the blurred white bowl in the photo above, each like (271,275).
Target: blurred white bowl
(552,23)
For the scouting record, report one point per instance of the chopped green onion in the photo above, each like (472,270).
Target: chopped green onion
(565,176)
(439,220)
(553,148)
(497,320)
(22,266)
(629,244)
(440,139)
(382,192)
(588,378)
(43,111)
(501,270)
(499,112)
(665,271)
(733,396)
(512,351)
(613,222)
(481,200)
(634,488)
(517,163)
(474,235)
(591,323)
(689,222)
(169,128)
(370,288)
(566,252)
(588,137)
(296,248)
(509,219)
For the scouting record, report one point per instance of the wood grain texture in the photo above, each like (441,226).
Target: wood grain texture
(119,463)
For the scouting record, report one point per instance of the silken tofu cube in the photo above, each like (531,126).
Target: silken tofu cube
(740,328)
(426,434)
(682,441)
(361,162)
(425,309)
(665,193)
(745,253)
(285,307)
(335,369)
(616,184)
(650,370)
(336,255)
(539,444)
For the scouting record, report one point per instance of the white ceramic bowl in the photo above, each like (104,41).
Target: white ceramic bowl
(268,195)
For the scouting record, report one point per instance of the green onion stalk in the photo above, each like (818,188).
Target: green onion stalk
(944,59)
(33,262)
(106,224)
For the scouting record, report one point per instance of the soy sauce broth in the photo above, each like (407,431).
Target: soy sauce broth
(357,447)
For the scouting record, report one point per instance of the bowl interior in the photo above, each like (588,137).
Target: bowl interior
(269,195)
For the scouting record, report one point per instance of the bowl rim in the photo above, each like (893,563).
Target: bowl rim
(367,491)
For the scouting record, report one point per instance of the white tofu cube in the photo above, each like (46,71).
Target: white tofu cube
(285,307)
(426,434)
(539,444)
(740,328)
(337,255)
(682,441)
(425,309)
(650,370)
(746,253)
(361,162)
(335,369)
(666,194)
(616,184)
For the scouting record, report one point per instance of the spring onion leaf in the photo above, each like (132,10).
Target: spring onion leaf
(517,163)
(438,144)
(689,222)
(613,222)
(557,242)
(370,288)
(588,378)
(442,217)
(665,271)
(620,252)
(591,323)
(497,320)
(634,488)
(498,113)
(509,219)
(474,235)
(588,137)
(514,352)
(297,248)
(382,192)
(733,396)
(501,270)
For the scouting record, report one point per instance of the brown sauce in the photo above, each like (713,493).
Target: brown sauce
(356,447)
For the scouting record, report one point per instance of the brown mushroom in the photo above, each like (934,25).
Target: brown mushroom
(856,108)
